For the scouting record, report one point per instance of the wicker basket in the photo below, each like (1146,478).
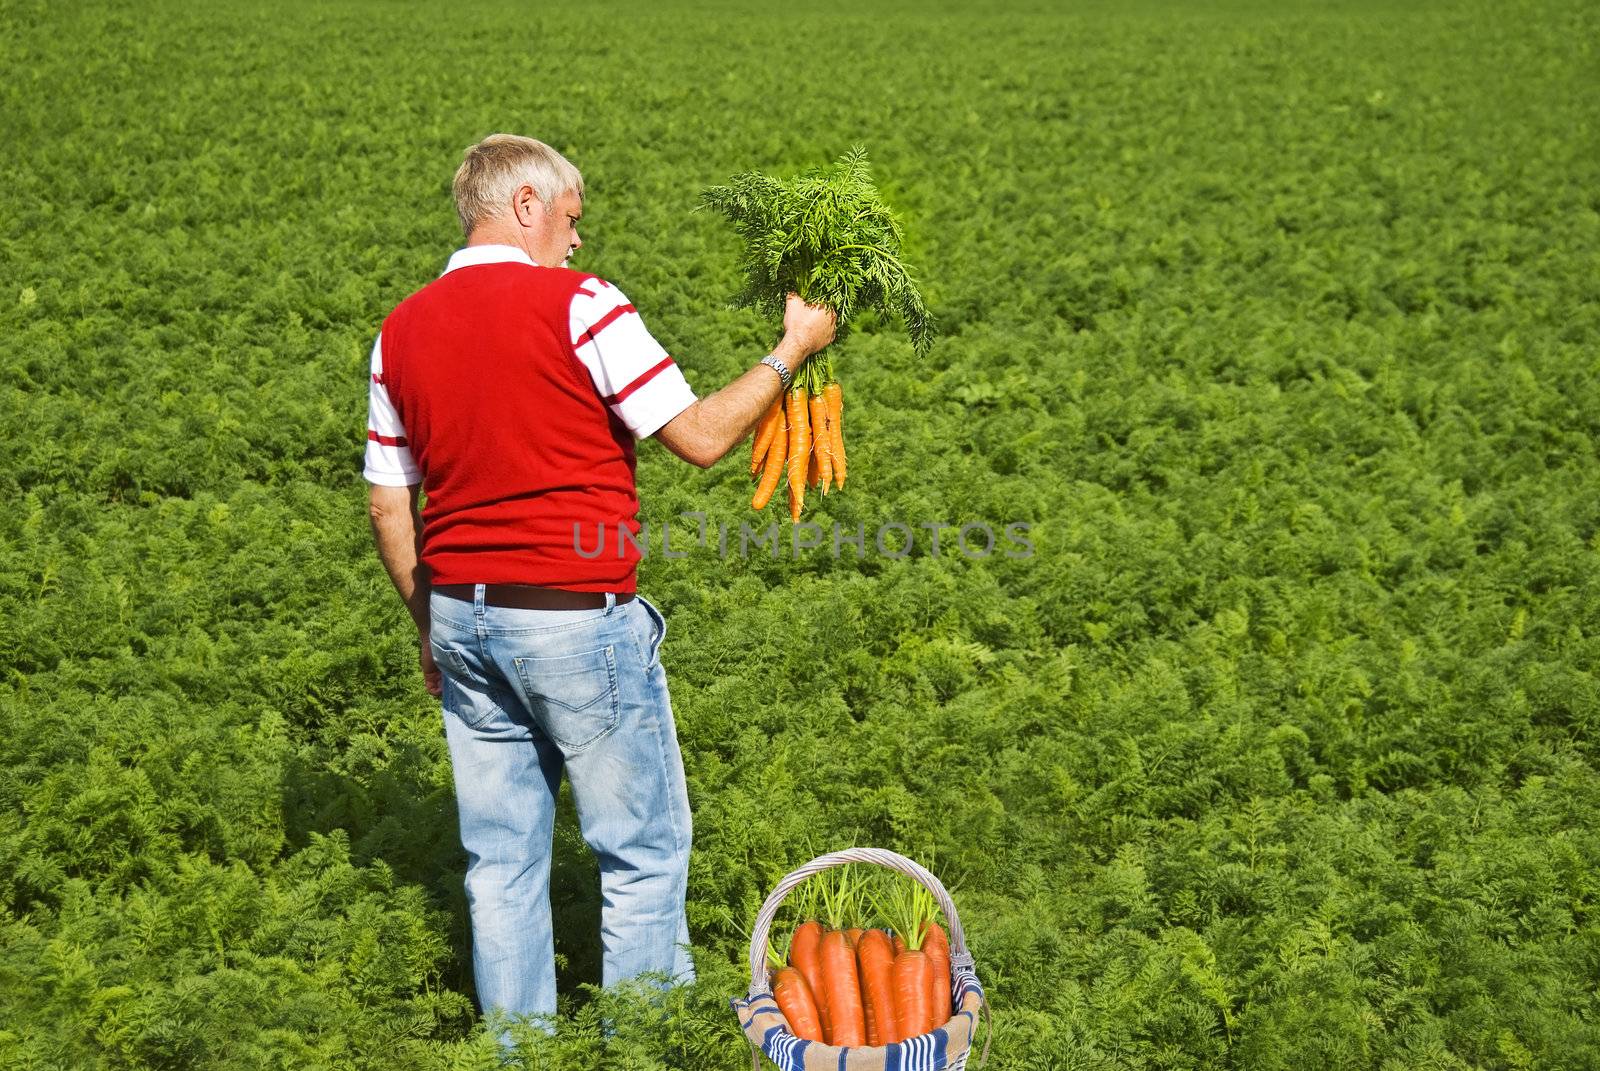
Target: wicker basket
(944,1049)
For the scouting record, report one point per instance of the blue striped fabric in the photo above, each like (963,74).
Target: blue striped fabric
(944,1049)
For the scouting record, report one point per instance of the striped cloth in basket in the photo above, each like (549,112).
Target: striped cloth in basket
(943,1050)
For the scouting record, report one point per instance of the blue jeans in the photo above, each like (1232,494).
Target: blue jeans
(528,693)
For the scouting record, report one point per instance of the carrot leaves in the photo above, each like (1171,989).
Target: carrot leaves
(828,236)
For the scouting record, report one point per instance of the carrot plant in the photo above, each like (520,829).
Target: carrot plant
(828,236)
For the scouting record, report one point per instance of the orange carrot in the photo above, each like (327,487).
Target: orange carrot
(805,952)
(833,397)
(936,946)
(765,430)
(799,450)
(798,1005)
(875,959)
(910,978)
(844,990)
(899,944)
(823,452)
(813,475)
(776,455)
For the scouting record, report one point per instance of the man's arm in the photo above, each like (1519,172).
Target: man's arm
(703,433)
(397,530)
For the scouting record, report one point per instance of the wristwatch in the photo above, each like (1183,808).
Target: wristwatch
(772,362)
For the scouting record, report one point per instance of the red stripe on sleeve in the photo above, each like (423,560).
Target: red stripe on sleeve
(378,378)
(605,321)
(386,440)
(621,395)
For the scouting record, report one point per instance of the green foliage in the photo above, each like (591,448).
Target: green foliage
(1276,325)
(826,235)
(842,889)
(906,907)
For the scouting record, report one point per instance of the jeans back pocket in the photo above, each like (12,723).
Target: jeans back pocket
(573,698)
(465,691)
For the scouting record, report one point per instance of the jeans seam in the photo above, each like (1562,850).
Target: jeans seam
(681,838)
(655,647)
(633,635)
(652,657)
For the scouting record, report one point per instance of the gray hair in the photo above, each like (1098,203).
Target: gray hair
(492,170)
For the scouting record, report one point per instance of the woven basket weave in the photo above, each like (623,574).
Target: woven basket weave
(944,1049)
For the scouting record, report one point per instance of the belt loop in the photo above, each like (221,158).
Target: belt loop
(611,601)
(477,599)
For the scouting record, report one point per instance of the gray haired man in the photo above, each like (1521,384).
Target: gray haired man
(511,390)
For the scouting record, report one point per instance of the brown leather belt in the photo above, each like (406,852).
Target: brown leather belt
(529,597)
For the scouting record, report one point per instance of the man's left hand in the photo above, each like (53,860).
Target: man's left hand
(432,679)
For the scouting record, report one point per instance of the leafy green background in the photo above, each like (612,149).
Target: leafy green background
(1277,323)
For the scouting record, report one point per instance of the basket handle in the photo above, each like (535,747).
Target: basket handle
(959,956)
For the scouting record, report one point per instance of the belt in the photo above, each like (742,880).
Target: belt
(529,597)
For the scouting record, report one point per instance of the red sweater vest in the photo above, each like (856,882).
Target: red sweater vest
(518,453)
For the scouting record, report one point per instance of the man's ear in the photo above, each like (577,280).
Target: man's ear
(527,205)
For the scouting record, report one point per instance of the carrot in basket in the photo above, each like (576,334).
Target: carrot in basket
(843,987)
(799,450)
(805,953)
(777,453)
(875,959)
(910,983)
(833,396)
(765,430)
(936,946)
(911,909)
(798,1005)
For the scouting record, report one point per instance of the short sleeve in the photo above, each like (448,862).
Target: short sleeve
(389,461)
(633,374)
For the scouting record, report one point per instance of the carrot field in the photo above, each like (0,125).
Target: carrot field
(1266,736)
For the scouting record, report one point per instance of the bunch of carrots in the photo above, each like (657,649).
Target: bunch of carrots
(848,985)
(801,438)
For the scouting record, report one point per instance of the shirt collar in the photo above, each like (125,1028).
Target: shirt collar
(474,255)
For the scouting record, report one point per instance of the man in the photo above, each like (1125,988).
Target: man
(512,390)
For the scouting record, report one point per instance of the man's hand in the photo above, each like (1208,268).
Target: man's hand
(808,327)
(432,679)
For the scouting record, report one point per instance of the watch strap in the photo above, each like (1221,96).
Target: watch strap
(773,362)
